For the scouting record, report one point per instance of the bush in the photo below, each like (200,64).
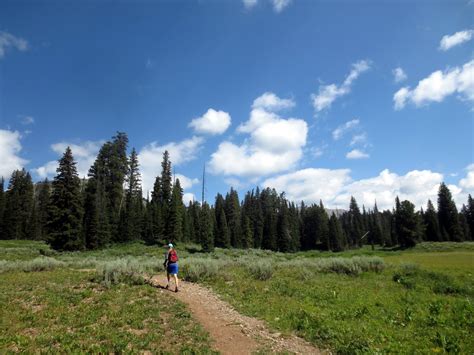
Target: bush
(260,269)
(194,269)
(37,264)
(127,270)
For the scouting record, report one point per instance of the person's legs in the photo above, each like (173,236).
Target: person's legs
(168,277)
(176,281)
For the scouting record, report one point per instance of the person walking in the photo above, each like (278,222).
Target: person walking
(171,266)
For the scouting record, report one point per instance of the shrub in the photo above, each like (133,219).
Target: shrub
(194,269)
(37,264)
(260,269)
(127,270)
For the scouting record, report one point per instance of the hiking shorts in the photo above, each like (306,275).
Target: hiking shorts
(172,268)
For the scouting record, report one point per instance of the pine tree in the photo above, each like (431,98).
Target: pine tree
(469,213)
(158,232)
(43,204)
(221,233)
(337,240)
(466,231)
(206,228)
(269,202)
(166,191)
(247,233)
(65,211)
(131,213)
(448,215)
(176,213)
(376,235)
(232,211)
(18,206)
(409,225)
(355,224)
(323,227)
(430,219)
(2,205)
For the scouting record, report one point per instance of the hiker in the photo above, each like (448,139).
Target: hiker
(171,265)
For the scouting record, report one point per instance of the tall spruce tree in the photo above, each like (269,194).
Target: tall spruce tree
(448,215)
(269,202)
(206,228)
(337,239)
(65,211)
(166,191)
(409,225)
(221,233)
(469,213)
(2,205)
(176,213)
(283,226)
(232,211)
(355,224)
(430,219)
(18,206)
(44,195)
(131,213)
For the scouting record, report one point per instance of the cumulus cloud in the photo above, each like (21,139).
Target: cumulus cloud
(399,75)
(151,155)
(357,154)
(359,139)
(250,3)
(9,41)
(212,122)
(327,94)
(335,187)
(270,102)
(10,147)
(188,196)
(343,129)
(450,41)
(27,120)
(278,5)
(84,154)
(186,182)
(439,85)
(275,144)
(467,183)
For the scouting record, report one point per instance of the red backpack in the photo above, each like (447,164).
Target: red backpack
(172,256)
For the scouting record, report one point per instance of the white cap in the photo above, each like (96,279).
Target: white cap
(170,245)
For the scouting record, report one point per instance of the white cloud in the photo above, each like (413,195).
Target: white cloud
(359,139)
(357,154)
(399,75)
(10,147)
(275,145)
(328,93)
(151,156)
(185,182)
(448,42)
(343,129)
(84,154)
(438,85)
(467,183)
(27,120)
(278,5)
(7,41)
(212,122)
(188,196)
(335,187)
(270,102)
(250,3)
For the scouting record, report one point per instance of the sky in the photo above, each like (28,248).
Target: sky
(320,99)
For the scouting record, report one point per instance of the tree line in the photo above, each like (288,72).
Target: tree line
(108,207)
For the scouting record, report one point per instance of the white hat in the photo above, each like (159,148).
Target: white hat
(170,245)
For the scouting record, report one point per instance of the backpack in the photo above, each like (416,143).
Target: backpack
(172,256)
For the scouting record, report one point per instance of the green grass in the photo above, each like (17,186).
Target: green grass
(359,301)
(63,311)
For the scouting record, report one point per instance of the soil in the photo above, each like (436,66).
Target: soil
(230,331)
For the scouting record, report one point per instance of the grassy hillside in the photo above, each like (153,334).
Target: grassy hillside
(414,301)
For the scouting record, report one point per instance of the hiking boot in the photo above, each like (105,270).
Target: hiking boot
(176,289)
(166,287)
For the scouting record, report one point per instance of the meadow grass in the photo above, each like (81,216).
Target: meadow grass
(62,311)
(358,301)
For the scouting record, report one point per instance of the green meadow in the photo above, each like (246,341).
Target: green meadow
(361,301)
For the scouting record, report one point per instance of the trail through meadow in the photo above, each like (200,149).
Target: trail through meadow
(232,332)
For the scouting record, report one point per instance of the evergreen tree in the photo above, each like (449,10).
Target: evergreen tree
(247,232)
(430,219)
(469,213)
(232,211)
(448,215)
(221,233)
(166,191)
(283,227)
(131,213)
(337,240)
(409,225)
(2,205)
(42,211)
(258,222)
(176,212)
(323,227)
(18,206)
(155,211)
(355,229)
(65,211)
(269,202)
(206,228)
(376,235)
(465,230)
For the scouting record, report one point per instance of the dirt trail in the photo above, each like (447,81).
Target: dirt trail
(232,332)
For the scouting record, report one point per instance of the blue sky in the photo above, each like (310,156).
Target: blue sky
(322,99)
